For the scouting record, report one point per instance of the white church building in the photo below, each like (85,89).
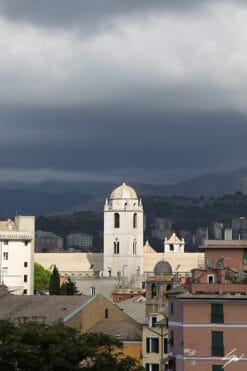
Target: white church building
(125,261)
(123,233)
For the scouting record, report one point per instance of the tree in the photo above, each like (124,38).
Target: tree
(68,288)
(54,287)
(42,277)
(33,346)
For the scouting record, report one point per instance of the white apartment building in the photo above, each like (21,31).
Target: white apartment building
(17,254)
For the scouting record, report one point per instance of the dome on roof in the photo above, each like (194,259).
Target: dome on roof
(123,192)
(162,267)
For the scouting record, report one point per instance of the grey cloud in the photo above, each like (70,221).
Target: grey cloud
(110,141)
(93,15)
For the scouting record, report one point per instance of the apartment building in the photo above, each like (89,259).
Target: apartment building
(17,254)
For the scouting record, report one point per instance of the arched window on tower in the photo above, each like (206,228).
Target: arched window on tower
(116,220)
(135,220)
(134,247)
(116,246)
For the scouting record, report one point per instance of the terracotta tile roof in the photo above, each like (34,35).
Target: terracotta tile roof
(46,309)
(122,330)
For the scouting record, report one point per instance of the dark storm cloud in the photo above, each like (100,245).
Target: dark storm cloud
(111,139)
(140,88)
(92,15)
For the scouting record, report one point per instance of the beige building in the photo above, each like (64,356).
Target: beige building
(17,254)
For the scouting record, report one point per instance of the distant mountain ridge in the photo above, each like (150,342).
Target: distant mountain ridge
(59,196)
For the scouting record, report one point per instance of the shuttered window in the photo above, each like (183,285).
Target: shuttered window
(217,343)
(217,315)
(152,345)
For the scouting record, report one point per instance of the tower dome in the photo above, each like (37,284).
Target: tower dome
(123,192)
(162,267)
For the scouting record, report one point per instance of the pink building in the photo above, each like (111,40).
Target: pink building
(208,323)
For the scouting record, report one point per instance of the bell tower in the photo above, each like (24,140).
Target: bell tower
(123,233)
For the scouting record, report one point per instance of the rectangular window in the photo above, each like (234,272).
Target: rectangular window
(5,256)
(152,367)
(152,345)
(92,290)
(5,242)
(165,345)
(26,243)
(25,264)
(217,315)
(25,277)
(171,308)
(171,340)
(245,256)
(25,291)
(152,322)
(217,367)
(217,343)
(210,278)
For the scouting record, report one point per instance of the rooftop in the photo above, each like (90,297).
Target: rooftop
(224,244)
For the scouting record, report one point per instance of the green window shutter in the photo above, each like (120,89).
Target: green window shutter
(217,368)
(147,345)
(217,343)
(217,315)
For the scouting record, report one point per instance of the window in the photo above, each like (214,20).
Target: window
(135,220)
(171,308)
(116,246)
(217,367)
(134,247)
(26,243)
(165,345)
(25,291)
(5,242)
(153,290)
(106,313)
(245,256)
(92,289)
(152,367)
(210,278)
(171,340)
(171,247)
(116,220)
(152,345)
(217,343)
(152,321)
(25,277)
(25,264)
(217,315)
(5,256)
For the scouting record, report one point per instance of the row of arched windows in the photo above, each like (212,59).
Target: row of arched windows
(116,247)
(117,220)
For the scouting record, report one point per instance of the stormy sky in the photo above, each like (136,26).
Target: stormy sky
(148,91)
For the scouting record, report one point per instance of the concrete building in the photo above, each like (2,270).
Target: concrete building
(83,241)
(47,241)
(123,233)
(162,228)
(232,254)
(17,254)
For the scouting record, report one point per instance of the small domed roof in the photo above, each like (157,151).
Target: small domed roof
(162,267)
(123,192)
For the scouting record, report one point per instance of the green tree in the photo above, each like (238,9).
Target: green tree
(42,277)
(54,287)
(68,288)
(32,346)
